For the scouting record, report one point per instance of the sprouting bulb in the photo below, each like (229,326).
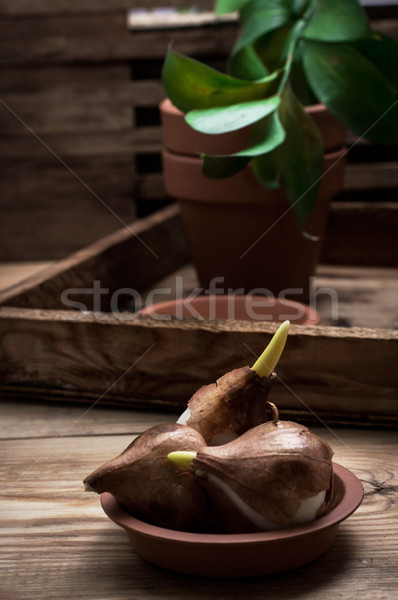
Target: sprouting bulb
(149,486)
(276,475)
(237,401)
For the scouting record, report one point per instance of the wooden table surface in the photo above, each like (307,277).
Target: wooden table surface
(56,542)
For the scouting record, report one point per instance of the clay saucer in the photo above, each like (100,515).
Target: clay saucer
(240,555)
(240,307)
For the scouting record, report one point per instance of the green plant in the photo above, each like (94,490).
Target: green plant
(290,53)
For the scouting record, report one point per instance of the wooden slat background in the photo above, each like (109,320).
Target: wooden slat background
(82,91)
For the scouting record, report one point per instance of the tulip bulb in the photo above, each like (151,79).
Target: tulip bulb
(222,411)
(149,486)
(275,475)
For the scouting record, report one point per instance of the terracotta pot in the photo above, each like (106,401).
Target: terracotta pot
(179,137)
(242,554)
(235,228)
(244,308)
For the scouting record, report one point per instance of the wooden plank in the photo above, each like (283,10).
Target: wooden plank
(65,7)
(12,273)
(48,7)
(68,107)
(50,210)
(367,296)
(200,43)
(24,145)
(76,39)
(64,27)
(33,79)
(67,144)
(137,361)
(52,529)
(113,260)
(52,177)
(55,234)
(374,176)
(52,39)
(147,93)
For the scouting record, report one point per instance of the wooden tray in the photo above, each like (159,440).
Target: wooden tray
(52,351)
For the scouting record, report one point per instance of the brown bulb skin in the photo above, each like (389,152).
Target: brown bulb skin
(149,486)
(235,403)
(231,519)
(272,468)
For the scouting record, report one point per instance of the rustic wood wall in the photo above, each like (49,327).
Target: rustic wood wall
(80,150)
(69,116)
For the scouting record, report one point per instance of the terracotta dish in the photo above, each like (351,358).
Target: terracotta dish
(244,308)
(240,555)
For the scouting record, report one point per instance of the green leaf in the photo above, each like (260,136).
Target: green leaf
(353,90)
(230,118)
(300,158)
(265,168)
(228,6)
(299,7)
(278,47)
(272,47)
(255,8)
(298,80)
(219,167)
(247,64)
(382,51)
(258,23)
(190,84)
(337,21)
(266,135)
